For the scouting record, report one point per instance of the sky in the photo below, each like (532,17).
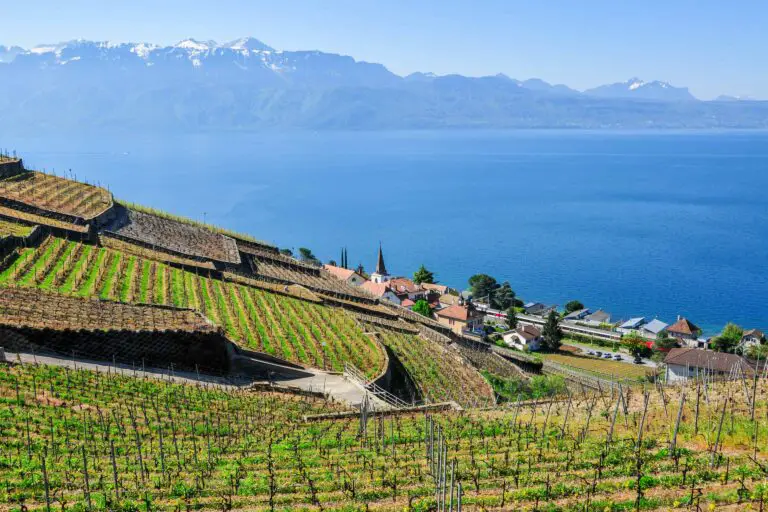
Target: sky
(711,46)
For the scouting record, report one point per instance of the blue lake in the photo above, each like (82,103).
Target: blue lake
(646,224)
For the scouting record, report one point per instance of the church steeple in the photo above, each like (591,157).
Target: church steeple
(380,267)
(380,275)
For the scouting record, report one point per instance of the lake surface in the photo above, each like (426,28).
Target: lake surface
(640,224)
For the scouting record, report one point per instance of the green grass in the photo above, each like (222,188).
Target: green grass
(29,278)
(23,257)
(177,288)
(48,281)
(69,283)
(111,275)
(125,286)
(87,288)
(144,284)
(599,366)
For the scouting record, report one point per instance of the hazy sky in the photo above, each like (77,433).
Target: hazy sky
(711,46)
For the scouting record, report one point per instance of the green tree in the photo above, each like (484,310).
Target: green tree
(551,331)
(306,255)
(332,263)
(423,276)
(503,297)
(482,285)
(511,317)
(665,341)
(572,306)
(636,345)
(286,252)
(422,307)
(728,339)
(759,352)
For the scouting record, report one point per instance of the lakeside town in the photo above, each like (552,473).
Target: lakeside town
(491,312)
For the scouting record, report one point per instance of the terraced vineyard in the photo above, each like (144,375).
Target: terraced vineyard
(13,229)
(56,194)
(78,440)
(286,327)
(440,374)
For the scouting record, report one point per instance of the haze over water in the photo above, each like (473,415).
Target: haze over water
(639,224)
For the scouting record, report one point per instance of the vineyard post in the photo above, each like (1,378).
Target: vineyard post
(453,476)
(719,430)
(85,478)
(673,441)
(613,422)
(45,482)
(642,419)
(698,398)
(459,495)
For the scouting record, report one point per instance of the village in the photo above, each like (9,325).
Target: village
(677,351)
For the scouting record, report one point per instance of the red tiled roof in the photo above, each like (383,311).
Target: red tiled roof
(407,303)
(456,312)
(441,288)
(683,326)
(377,289)
(339,272)
(403,284)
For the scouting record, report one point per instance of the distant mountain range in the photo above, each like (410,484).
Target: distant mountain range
(246,84)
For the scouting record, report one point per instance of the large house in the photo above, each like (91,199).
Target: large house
(597,318)
(632,325)
(439,288)
(686,332)
(460,317)
(349,276)
(381,290)
(687,362)
(524,337)
(652,329)
(537,309)
(578,315)
(751,338)
(406,289)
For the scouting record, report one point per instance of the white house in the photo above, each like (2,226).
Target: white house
(652,329)
(381,290)
(349,276)
(751,338)
(576,316)
(597,318)
(687,363)
(525,336)
(632,325)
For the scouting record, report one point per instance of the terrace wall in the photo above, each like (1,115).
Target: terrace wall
(186,350)
(397,380)
(10,243)
(10,168)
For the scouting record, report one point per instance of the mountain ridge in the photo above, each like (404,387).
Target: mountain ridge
(246,84)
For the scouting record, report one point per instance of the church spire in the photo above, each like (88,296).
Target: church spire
(380,267)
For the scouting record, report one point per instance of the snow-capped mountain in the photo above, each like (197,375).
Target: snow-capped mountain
(242,59)
(246,84)
(635,88)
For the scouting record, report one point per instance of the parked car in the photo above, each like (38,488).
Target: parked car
(591,353)
(617,357)
(638,360)
(606,356)
(599,354)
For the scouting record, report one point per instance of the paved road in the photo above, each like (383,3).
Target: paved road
(337,386)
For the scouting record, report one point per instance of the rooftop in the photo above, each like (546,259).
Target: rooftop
(706,359)
(339,272)
(683,326)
